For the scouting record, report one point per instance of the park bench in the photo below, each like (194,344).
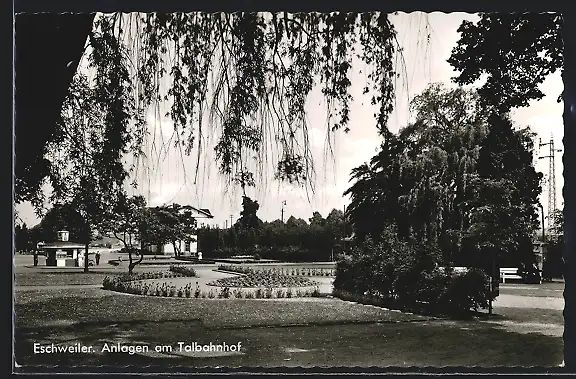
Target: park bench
(509,273)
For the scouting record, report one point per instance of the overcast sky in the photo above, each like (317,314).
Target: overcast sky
(173,178)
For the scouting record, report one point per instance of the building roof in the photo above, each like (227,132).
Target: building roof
(200,212)
(63,245)
(204,211)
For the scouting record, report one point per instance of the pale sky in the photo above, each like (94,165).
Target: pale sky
(172,179)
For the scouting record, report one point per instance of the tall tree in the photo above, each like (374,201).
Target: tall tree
(124,222)
(425,181)
(317,219)
(507,188)
(515,52)
(419,178)
(85,173)
(21,238)
(248,225)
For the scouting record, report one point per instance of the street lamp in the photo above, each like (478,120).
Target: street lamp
(282,210)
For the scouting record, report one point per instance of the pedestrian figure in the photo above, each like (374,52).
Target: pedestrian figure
(35,259)
(97,256)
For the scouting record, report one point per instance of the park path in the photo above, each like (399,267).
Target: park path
(534,302)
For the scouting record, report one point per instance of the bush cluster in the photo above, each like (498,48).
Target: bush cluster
(397,275)
(183,270)
(125,277)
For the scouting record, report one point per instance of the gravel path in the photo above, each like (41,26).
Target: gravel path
(537,302)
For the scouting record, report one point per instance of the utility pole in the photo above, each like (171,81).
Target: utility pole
(543,230)
(226,224)
(551,176)
(282,210)
(231,220)
(345,219)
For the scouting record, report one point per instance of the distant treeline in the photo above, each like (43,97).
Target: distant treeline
(294,240)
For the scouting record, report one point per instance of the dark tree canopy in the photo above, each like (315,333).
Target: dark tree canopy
(506,190)
(63,217)
(433,181)
(248,218)
(57,41)
(516,52)
(22,241)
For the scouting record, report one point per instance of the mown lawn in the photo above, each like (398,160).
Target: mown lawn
(37,308)
(73,276)
(59,278)
(286,333)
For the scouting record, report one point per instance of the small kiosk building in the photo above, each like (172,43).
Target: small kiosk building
(63,253)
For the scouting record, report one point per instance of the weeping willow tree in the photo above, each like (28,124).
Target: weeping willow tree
(239,80)
(420,182)
(432,181)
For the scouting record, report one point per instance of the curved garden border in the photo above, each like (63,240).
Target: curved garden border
(132,284)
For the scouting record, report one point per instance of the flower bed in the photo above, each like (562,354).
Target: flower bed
(127,284)
(279,270)
(256,279)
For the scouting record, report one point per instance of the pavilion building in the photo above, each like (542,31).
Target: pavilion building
(63,253)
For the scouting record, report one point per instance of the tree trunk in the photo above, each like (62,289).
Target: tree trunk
(133,263)
(176,251)
(86,247)
(130,265)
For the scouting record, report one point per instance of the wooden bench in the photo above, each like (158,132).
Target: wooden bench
(509,273)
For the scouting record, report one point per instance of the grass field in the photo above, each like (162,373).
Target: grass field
(288,333)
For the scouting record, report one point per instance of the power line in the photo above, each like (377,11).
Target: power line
(551,176)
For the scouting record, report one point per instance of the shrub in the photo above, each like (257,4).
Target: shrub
(465,292)
(183,271)
(224,293)
(315,292)
(397,274)
(279,293)
(187,291)
(268,293)
(249,295)
(289,293)
(259,294)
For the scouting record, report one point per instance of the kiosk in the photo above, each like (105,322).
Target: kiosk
(63,253)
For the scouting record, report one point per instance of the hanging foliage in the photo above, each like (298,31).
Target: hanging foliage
(241,80)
